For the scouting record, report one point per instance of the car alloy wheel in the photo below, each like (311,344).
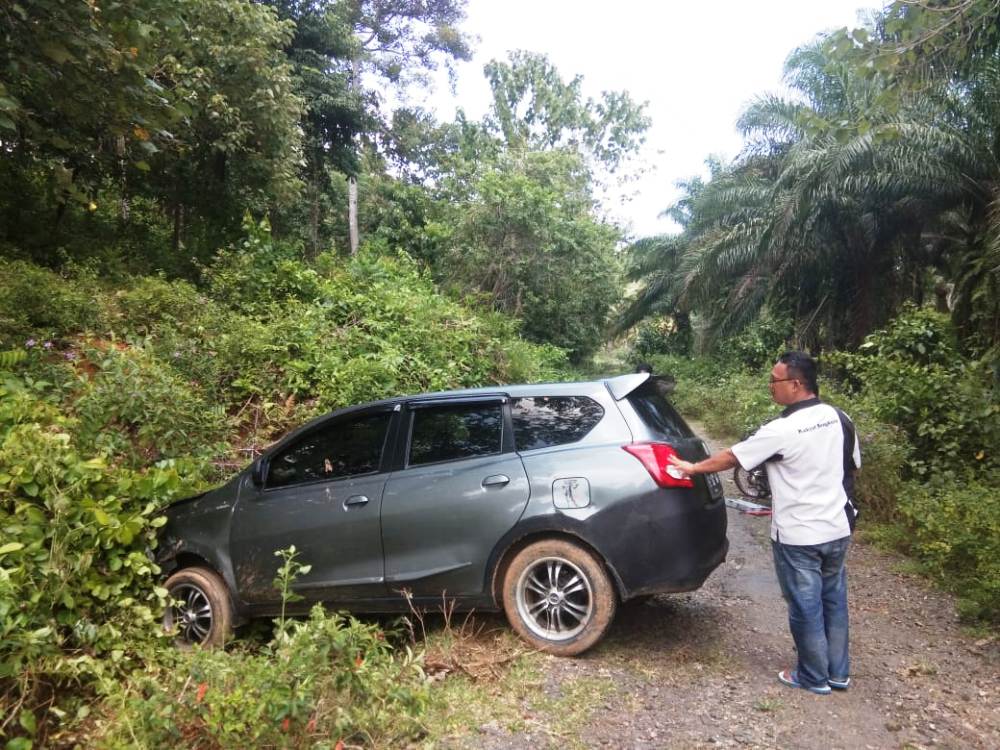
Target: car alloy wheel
(200,611)
(558,596)
(192,612)
(554,599)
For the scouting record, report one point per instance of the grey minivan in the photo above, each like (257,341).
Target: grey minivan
(553,502)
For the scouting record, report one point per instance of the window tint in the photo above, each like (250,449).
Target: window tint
(542,421)
(654,409)
(444,433)
(342,449)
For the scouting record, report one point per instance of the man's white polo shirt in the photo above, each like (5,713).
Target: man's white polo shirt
(804,454)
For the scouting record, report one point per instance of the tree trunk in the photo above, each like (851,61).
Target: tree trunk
(178,224)
(313,231)
(352,211)
(352,180)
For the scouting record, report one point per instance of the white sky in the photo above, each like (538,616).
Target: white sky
(697,63)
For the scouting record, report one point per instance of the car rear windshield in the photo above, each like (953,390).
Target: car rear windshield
(660,417)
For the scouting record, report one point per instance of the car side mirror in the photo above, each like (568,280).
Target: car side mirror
(257,473)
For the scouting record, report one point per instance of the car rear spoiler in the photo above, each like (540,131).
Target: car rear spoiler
(623,385)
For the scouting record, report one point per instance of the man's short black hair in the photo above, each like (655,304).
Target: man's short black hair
(801,367)
(644,367)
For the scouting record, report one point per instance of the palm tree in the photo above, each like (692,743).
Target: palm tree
(843,203)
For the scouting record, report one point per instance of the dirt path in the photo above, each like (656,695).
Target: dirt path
(698,670)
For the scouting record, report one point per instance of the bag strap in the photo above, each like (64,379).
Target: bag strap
(850,438)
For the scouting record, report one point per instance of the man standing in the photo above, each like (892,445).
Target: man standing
(810,452)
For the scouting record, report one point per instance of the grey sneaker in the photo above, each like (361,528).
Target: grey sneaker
(790,677)
(842,684)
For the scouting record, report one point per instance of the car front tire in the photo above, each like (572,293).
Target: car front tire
(558,597)
(200,610)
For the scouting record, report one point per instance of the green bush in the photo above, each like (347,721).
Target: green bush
(261,270)
(913,376)
(77,591)
(956,534)
(36,303)
(134,406)
(152,303)
(325,679)
(760,344)
(662,335)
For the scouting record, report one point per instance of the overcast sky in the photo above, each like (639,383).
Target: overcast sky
(697,63)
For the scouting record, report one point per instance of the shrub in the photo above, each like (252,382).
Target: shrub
(77,591)
(37,303)
(913,377)
(152,304)
(326,679)
(134,406)
(261,270)
(956,534)
(760,344)
(662,335)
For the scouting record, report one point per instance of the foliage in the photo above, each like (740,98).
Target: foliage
(528,242)
(760,344)
(186,103)
(330,676)
(533,107)
(134,405)
(664,335)
(955,532)
(873,184)
(77,591)
(914,378)
(36,304)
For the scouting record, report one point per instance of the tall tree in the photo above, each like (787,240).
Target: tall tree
(533,107)
(188,103)
(399,42)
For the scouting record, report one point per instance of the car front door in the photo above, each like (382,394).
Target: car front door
(321,493)
(461,488)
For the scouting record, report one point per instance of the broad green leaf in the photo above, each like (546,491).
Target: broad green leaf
(56,51)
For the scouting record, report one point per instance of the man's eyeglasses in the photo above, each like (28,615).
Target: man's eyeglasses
(780,380)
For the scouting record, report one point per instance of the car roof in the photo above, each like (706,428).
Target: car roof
(619,387)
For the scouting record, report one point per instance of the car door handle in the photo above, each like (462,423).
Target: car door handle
(355,500)
(496,480)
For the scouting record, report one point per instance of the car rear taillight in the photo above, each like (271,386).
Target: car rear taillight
(654,457)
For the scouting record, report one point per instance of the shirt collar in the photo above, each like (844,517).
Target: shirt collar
(804,404)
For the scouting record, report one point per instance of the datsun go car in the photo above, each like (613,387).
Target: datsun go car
(552,502)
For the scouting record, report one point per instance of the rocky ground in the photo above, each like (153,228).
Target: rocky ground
(698,670)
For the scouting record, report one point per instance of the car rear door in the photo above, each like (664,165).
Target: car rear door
(659,420)
(321,493)
(460,489)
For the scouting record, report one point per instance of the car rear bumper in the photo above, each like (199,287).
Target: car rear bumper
(666,541)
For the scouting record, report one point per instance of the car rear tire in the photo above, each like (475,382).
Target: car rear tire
(200,611)
(558,597)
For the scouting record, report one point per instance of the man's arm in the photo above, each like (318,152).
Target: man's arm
(716,462)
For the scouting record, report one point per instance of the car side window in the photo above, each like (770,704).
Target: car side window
(544,421)
(449,432)
(341,449)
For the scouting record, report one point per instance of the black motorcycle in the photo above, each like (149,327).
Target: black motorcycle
(753,484)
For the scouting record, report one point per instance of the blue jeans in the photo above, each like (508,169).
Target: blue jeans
(813,581)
